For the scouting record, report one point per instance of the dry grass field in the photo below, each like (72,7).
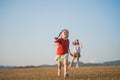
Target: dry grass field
(81,73)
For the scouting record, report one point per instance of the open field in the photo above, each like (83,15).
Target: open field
(81,73)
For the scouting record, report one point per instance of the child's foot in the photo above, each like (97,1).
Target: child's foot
(59,73)
(77,66)
(65,75)
(69,66)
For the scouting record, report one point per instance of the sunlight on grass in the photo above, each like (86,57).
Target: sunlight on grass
(81,73)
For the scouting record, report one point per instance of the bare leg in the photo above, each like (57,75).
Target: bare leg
(65,68)
(59,68)
(71,62)
(77,64)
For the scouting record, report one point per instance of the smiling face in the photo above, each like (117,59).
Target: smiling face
(65,34)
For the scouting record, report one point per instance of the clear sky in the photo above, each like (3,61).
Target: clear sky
(28,28)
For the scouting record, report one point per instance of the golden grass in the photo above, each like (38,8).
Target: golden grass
(81,73)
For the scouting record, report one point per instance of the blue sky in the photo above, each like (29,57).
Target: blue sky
(28,28)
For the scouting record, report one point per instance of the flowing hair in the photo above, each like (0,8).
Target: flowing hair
(60,33)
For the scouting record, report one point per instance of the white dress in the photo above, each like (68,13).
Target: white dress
(76,49)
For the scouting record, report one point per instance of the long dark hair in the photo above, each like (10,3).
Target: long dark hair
(60,33)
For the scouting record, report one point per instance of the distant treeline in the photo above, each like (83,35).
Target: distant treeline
(109,63)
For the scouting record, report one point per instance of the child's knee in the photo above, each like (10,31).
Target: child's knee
(59,65)
(65,64)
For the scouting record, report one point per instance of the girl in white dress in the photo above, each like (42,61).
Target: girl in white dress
(76,52)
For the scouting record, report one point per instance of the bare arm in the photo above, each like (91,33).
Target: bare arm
(69,51)
(56,44)
(81,45)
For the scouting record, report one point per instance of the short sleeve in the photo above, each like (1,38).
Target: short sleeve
(58,40)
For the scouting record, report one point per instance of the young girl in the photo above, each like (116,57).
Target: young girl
(62,51)
(76,52)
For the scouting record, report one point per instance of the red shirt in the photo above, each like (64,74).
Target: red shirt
(63,46)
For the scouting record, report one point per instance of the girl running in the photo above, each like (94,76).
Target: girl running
(62,42)
(76,52)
